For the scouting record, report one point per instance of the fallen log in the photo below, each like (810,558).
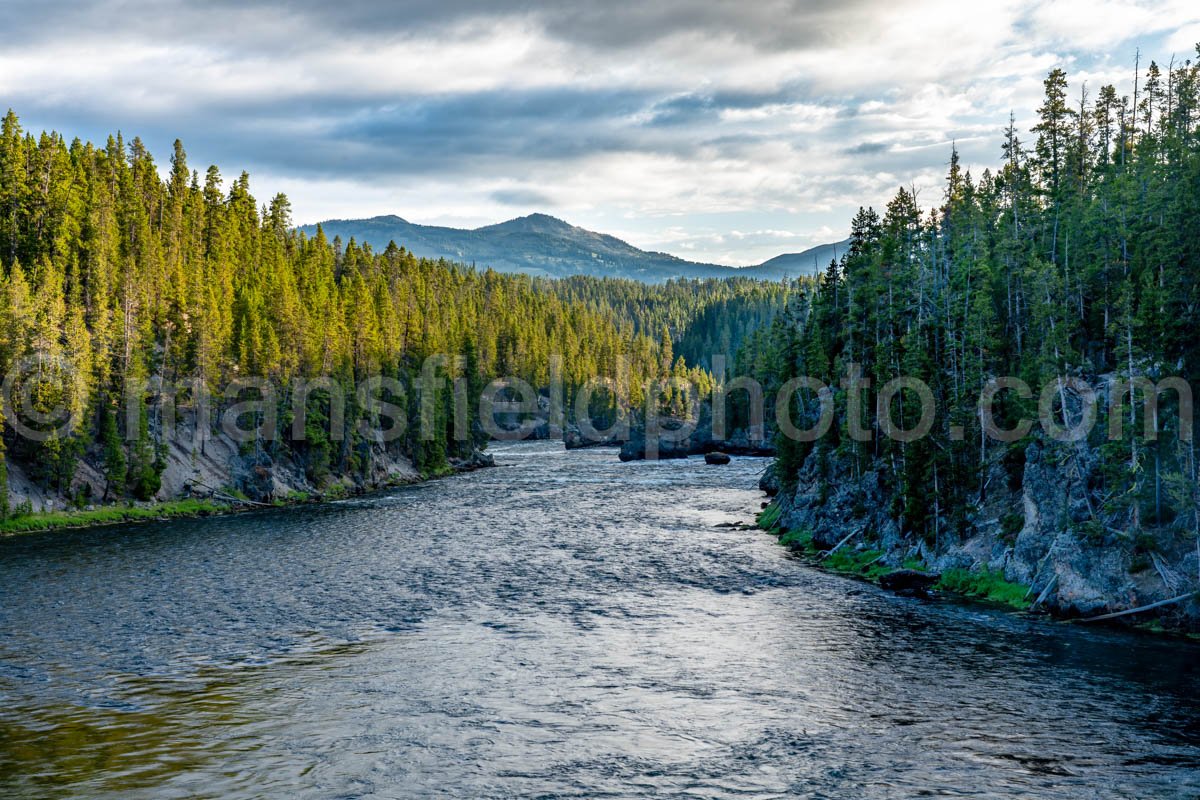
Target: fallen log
(838,546)
(220,495)
(1041,598)
(1140,609)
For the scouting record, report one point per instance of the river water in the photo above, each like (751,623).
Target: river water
(561,626)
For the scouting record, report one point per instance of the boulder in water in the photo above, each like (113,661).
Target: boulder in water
(908,580)
(635,449)
(716,457)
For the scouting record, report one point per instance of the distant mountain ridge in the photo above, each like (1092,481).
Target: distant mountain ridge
(539,244)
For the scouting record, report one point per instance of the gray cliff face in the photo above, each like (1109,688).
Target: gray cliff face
(1038,527)
(219,468)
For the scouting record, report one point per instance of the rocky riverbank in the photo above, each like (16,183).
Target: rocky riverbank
(1035,528)
(219,475)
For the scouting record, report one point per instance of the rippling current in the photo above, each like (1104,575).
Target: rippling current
(561,626)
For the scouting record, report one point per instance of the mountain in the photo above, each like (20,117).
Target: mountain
(540,244)
(791,265)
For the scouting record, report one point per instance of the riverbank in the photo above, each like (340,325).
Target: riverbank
(984,585)
(1037,521)
(868,564)
(39,521)
(118,514)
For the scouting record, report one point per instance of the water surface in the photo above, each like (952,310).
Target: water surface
(562,626)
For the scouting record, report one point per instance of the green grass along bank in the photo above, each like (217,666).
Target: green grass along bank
(865,563)
(229,501)
(37,521)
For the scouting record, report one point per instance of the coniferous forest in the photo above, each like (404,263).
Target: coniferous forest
(1076,265)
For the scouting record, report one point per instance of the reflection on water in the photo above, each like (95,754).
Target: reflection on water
(565,626)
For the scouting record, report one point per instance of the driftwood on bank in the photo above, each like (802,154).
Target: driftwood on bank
(1140,609)
(1168,576)
(838,546)
(1041,598)
(218,494)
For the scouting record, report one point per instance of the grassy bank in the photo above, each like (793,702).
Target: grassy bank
(33,522)
(983,585)
(987,585)
(109,515)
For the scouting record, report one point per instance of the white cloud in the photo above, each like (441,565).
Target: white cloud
(746,141)
(1096,24)
(1185,40)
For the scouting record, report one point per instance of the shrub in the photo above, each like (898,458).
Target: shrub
(1010,525)
(799,539)
(768,519)
(863,563)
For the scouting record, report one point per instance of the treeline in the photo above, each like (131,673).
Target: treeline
(119,274)
(1078,258)
(704,318)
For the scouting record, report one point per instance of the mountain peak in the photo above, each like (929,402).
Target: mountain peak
(532,223)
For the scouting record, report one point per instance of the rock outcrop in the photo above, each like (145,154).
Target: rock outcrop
(1036,524)
(912,581)
(574,439)
(671,443)
(219,468)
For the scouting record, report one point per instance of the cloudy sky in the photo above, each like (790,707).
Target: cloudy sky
(718,131)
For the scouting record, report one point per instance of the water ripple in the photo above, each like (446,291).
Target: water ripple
(563,626)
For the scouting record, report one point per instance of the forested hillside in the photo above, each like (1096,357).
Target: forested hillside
(114,274)
(1079,258)
(704,318)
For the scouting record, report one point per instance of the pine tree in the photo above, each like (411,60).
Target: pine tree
(115,468)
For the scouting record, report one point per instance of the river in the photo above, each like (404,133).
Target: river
(561,626)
